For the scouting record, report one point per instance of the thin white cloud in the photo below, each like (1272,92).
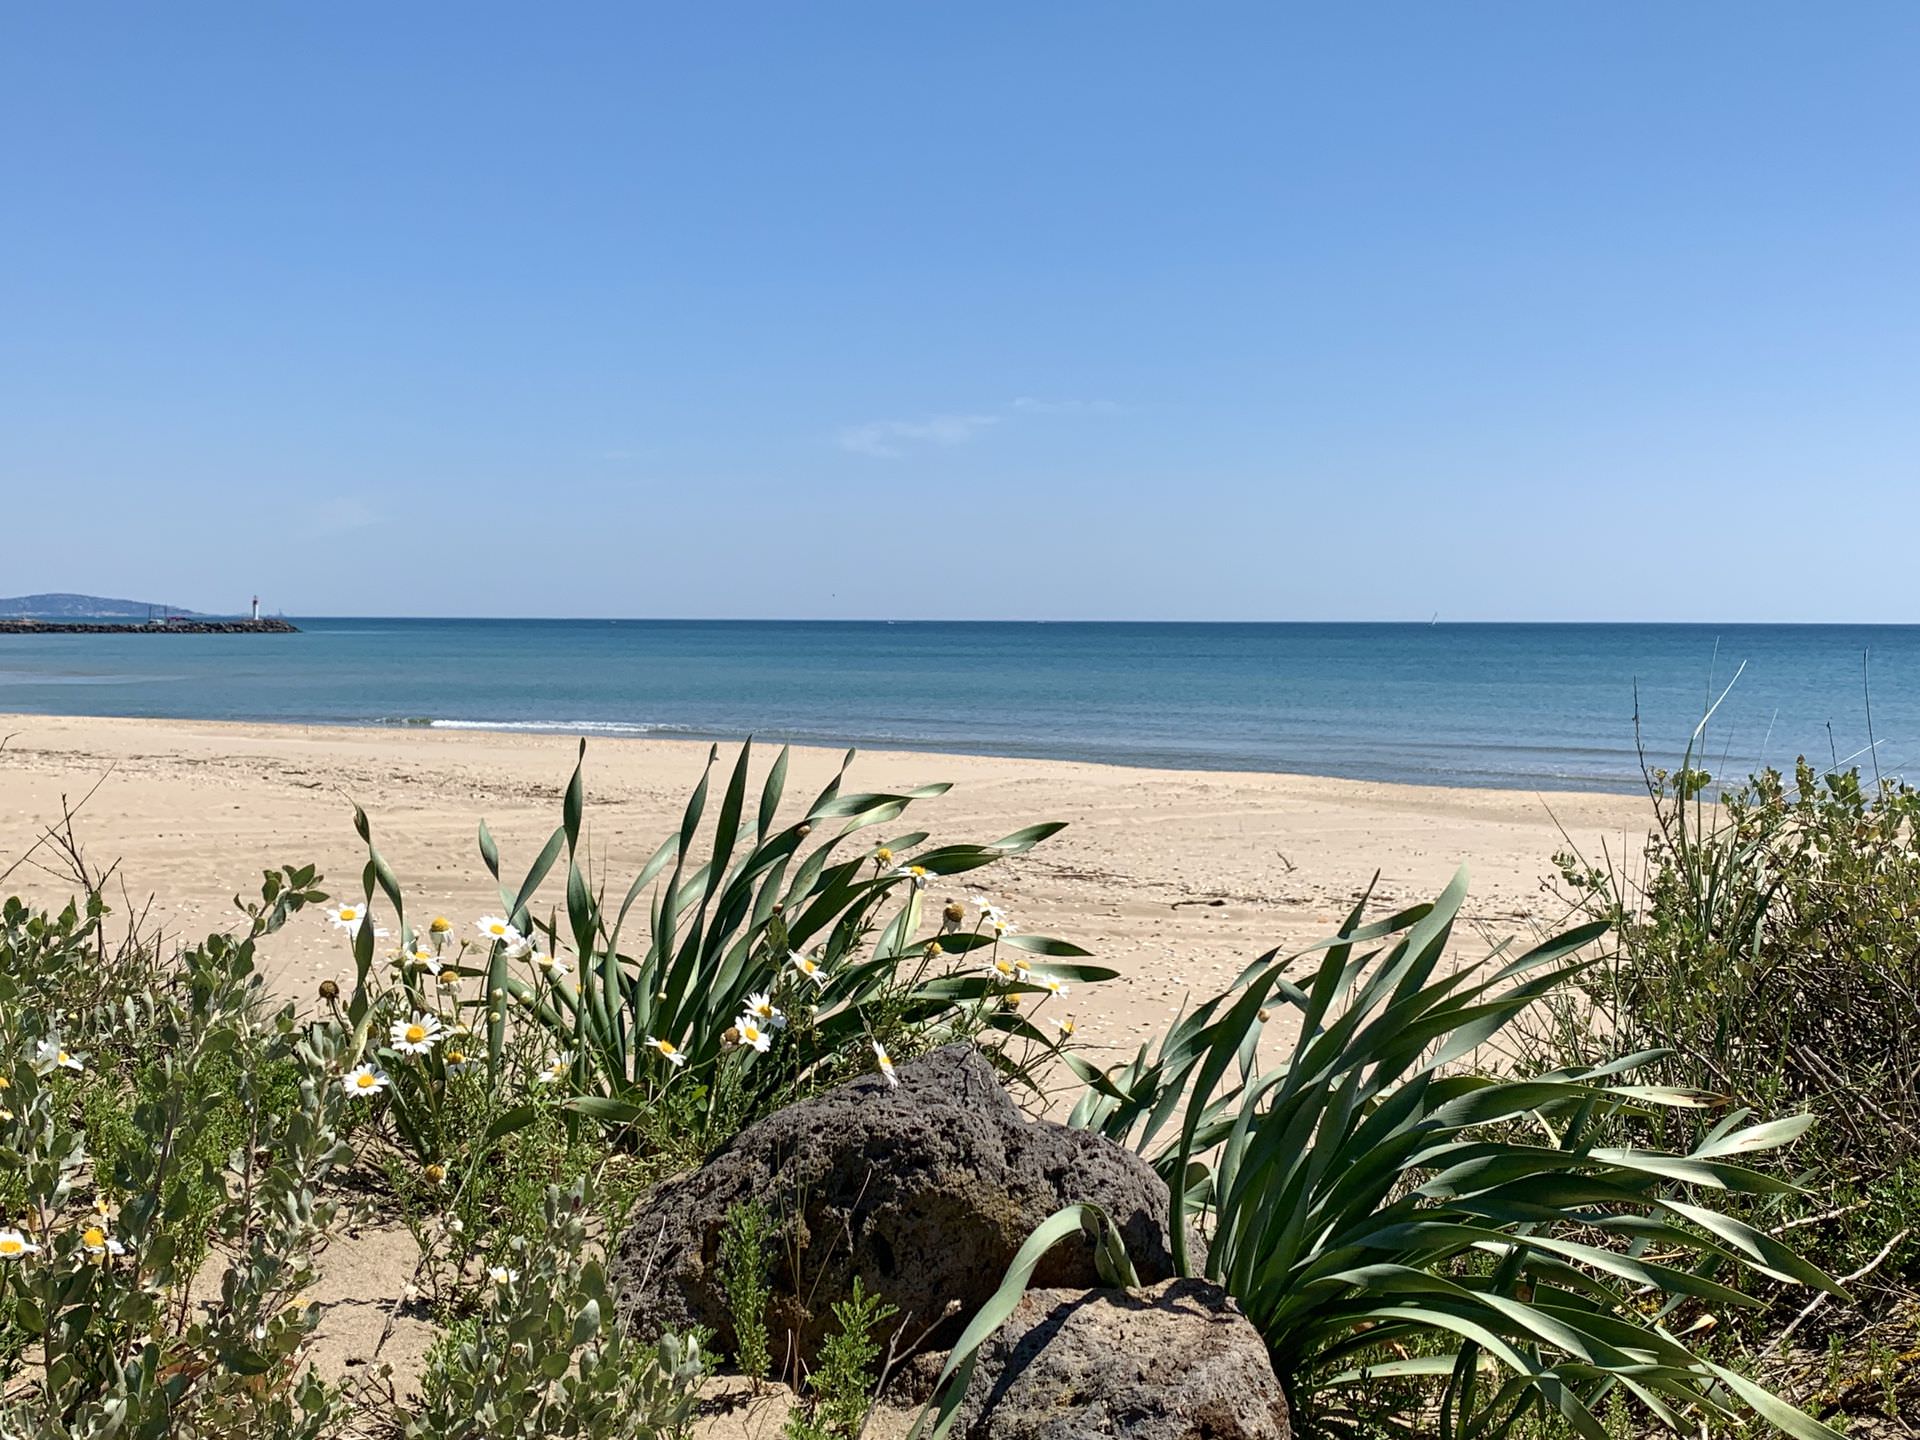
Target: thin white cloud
(1028,405)
(890,439)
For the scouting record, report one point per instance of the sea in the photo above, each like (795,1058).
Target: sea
(1542,706)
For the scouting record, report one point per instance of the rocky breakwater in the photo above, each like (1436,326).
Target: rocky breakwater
(174,627)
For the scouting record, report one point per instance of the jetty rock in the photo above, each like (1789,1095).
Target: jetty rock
(924,1191)
(1176,1361)
(170,627)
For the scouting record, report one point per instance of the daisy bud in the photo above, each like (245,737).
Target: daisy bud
(954,913)
(329,990)
(805,830)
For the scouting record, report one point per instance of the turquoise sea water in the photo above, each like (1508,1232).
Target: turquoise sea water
(1501,705)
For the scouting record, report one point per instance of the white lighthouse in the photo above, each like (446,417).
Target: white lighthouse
(256,609)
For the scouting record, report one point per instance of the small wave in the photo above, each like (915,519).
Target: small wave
(537,727)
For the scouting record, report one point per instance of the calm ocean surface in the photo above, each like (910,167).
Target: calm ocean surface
(1499,705)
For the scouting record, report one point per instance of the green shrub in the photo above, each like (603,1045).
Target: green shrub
(546,1356)
(99,1248)
(1770,948)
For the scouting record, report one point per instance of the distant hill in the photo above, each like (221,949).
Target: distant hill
(68,607)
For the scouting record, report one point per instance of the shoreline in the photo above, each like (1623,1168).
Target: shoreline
(1176,878)
(613,731)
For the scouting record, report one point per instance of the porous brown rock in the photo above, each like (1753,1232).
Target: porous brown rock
(925,1191)
(1177,1361)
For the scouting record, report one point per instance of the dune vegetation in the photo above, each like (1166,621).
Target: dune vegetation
(1595,1184)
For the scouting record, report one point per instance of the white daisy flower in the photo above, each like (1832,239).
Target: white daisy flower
(915,873)
(1003,968)
(752,1034)
(96,1241)
(551,965)
(347,916)
(1049,983)
(760,1005)
(456,1059)
(1065,1026)
(886,1064)
(417,1036)
(1000,925)
(501,1275)
(15,1246)
(556,1069)
(670,1050)
(811,968)
(423,956)
(49,1056)
(492,928)
(364,1080)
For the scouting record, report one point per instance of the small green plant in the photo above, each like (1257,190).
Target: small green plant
(546,1356)
(746,1258)
(841,1386)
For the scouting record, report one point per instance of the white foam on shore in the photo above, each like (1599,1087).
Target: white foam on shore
(551,727)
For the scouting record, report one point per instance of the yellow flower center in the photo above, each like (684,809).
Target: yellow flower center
(883,855)
(416,1033)
(63,1057)
(11,1246)
(5,1083)
(93,1237)
(439,925)
(364,1081)
(456,1057)
(496,929)
(349,914)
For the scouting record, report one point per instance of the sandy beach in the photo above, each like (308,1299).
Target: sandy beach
(1175,878)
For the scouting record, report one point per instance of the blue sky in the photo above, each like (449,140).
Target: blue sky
(1070,310)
